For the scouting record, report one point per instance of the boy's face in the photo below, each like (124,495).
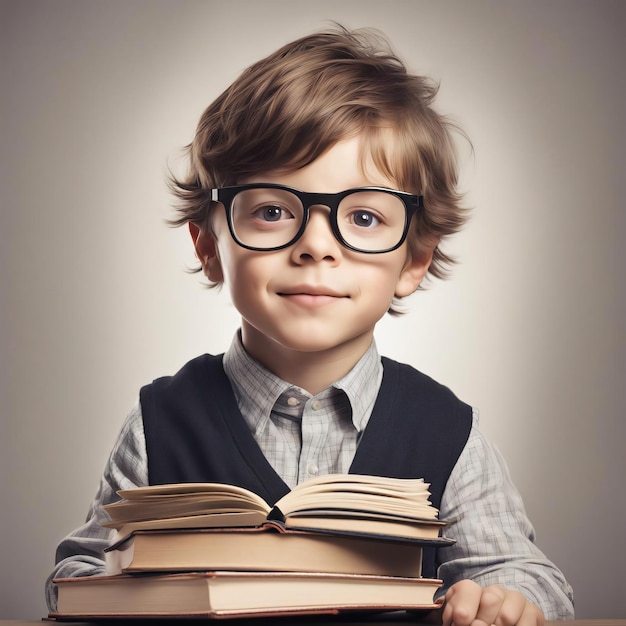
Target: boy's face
(315,298)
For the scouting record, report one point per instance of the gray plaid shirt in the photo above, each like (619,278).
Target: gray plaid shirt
(304,436)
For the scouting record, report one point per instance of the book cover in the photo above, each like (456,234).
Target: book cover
(238,594)
(261,549)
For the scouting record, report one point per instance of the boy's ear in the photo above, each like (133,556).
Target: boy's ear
(206,250)
(413,273)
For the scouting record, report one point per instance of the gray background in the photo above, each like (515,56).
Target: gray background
(97,99)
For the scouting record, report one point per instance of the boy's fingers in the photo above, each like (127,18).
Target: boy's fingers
(468,604)
(492,600)
(462,602)
(531,616)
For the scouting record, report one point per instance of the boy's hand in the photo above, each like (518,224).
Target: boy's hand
(469,604)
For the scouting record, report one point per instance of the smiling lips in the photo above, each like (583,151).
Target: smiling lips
(311,296)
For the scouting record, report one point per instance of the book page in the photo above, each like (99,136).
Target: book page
(220,520)
(176,500)
(405,497)
(181,489)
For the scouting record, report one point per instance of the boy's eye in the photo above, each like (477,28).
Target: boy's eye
(272,213)
(364,219)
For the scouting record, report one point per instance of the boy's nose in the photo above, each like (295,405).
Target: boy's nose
(318,241)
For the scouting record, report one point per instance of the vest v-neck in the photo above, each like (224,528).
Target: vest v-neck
(195,431)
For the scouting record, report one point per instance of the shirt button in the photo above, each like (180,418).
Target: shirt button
(293,401)
(312,469)
(316,405)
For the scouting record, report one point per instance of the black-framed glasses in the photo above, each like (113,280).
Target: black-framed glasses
(266,217)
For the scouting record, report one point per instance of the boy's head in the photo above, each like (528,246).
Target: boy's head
(306,296)
(288,109)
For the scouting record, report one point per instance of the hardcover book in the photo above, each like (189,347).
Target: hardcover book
(238,594)
(263,549)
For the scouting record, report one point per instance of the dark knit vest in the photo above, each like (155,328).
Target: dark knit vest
(195,433)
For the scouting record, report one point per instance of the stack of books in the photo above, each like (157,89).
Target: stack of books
(333,544)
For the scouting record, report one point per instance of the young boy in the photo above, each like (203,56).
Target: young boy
(320,185)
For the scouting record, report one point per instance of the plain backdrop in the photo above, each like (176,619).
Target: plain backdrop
(99,97)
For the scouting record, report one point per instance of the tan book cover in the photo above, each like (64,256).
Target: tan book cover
(259,549)
(238,594)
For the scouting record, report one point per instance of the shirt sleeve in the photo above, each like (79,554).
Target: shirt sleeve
(494,537)
(81,553)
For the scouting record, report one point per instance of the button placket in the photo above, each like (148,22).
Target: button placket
(314,434)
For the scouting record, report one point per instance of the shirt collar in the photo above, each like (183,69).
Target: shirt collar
(257,390)
(361,384)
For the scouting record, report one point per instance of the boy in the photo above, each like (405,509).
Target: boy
(320,185)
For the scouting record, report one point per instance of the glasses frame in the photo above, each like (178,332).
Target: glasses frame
(225,196)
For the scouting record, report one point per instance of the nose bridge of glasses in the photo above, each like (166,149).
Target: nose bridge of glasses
(314,204)
(318,222)
(318,201)
(323,210)
(317,227)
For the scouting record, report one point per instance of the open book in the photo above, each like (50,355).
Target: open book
(238,594)
(391,508)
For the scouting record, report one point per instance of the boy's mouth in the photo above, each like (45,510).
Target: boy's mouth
(311,296)
(306,290)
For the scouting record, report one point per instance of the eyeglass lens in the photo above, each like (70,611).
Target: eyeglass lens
(368,220)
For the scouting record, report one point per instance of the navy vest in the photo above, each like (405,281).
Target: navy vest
(195,433)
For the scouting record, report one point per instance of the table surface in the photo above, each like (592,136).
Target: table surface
(282,621)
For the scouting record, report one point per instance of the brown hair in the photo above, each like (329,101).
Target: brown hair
(286,110)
